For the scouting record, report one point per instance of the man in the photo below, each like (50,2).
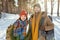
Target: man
(40,23)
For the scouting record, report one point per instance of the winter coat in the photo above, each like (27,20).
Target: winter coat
(45,24)
(20,27)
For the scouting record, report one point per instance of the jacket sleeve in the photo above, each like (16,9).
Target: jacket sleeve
(49,25)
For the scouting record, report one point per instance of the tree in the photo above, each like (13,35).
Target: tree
(52,7)
(0,7)
(45,5)
(4,5)
(58,9)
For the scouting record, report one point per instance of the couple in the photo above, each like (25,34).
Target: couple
(40,26)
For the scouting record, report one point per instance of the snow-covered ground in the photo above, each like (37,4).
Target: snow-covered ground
(5,21)
(9,19)
(56,21)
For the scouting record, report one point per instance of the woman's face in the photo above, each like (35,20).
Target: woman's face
(36,9)
(23,17)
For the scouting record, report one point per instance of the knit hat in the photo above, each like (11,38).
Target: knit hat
(23,12)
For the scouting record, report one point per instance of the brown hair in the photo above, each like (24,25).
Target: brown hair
(36,5)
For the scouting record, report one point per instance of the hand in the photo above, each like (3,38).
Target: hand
(15,34)
(42,28)
(24,33)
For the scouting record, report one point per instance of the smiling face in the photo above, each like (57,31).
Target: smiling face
(23,17)
(37,9)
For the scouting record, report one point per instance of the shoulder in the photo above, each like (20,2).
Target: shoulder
(50,18)
(31,17)
(16,21)
(47,18)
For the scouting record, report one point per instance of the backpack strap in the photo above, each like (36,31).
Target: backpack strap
(50,18)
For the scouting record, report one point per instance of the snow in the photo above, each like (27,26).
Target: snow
(9,19)
(56,21)
(5,21)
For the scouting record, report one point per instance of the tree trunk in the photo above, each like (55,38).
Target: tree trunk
(51,7)
(4,5)
(0,7)
(45,6)
(58,9)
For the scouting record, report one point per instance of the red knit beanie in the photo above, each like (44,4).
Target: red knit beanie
(23,12)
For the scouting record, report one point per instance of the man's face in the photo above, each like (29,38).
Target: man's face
(36,9)
(23,17)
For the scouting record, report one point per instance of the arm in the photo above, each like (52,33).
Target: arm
(49,26)
(15,27)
